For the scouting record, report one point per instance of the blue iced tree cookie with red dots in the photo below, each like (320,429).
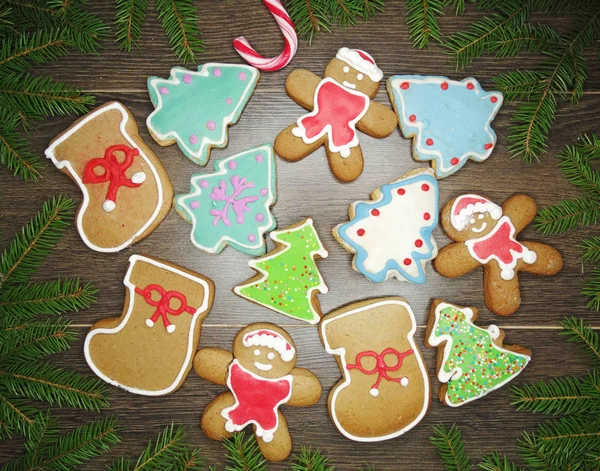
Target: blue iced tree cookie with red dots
(449,120)
(232,205)
(391,235)
(195,109)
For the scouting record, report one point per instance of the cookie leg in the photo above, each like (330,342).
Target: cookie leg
(293,148)
(280,447)
(548,260)
(454,260)
(502,297)
(349,168)
(213,423)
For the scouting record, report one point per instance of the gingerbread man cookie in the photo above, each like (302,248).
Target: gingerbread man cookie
(485,235)
(340,103)
(261,375)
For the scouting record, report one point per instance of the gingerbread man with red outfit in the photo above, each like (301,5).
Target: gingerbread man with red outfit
(485,235)
(261,376)
(340,103)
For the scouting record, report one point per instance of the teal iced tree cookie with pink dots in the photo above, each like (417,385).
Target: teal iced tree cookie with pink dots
(232,205)
(195,109)
(474,361)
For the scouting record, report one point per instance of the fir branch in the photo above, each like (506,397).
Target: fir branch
(44,382)
(309,460)
(43,435)
(421,19)
(576,331)
(590,145)
(495,462)
(16,154)
(532,456)
(17,54)
(15,414)
(371,8)
(566,215)
(191,460)
(577,169)
(591,290)
(520,84)
(37,97)
(130,16)
(309,17)
(55,297)
(458,5)
(569,436)
(566,395)
(580,74)
(345,12)
(451,448)
(243,454)
(180,22)
(591,249)
(530,38)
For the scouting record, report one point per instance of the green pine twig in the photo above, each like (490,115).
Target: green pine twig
(180,22)
(576,167)
(451,448)
(576,331)
(17,54)
(309,460)
(15,152)
(510,42)
(421,19)
(243,454)
(569,436)
(16,415)
(591,249)
(496,462)
(567,215)
(130,16)
(591,289)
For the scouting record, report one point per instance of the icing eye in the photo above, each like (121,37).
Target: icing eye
(270,355)
(481,216)
(360,76)
(256,352)
(346,69)
(472,221)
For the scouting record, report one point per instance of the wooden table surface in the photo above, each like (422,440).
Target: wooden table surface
(305,189)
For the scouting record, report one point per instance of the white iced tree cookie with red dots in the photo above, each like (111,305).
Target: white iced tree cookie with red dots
(261,376)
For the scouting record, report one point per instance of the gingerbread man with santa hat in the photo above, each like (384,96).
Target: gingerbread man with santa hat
(485,235)
(261,375)
(339,104)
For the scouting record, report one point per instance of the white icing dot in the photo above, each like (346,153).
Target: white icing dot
(256,352)
(346,69)
(529,257)
(138,177)
(494,331)
(229,426)
(171,328)
(270,355)
(360,76)
(404,382)
(345,153)
(481,216)
(109,206)
(374,392)
(472,221)
(149,323)
(297,132)
(507,274)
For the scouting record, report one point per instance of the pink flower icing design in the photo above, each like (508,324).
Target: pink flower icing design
(239,205)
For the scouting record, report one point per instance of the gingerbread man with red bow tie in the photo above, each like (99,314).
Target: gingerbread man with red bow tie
(485,235)
(339,104)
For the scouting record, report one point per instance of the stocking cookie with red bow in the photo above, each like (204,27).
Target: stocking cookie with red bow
(126,190)
(485,235)
(261,375)
(149,349)
(384,390)
(339,103)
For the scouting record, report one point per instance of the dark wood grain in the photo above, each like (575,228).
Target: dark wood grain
(307,188)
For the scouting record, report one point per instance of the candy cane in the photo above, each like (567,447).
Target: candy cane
(249,54)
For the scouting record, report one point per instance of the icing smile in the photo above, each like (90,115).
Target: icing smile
(481,229)
(347,84)
(262,366)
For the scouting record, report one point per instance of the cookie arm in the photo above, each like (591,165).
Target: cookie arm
(521,209)
(300,85)
(212,364)
(379,121)
(306,388)
(548,262)
(454,260)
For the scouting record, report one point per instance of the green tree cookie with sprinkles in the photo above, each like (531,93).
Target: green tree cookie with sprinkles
(287,279)
(195,109)
(473,361)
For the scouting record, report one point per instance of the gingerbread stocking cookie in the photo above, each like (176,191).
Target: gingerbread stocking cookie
(485,235)
(126,190)
(384,391)
(261,376)
(340,103)
(149,349)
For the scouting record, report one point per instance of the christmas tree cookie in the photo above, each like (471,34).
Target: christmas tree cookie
(449,120)
(473,362)
(391,236)
(288,279)
(195,109)
(232,205)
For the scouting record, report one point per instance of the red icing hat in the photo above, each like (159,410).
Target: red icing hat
(270,339)
(361,61)
(466,205)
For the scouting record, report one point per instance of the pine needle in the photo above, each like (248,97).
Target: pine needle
(243,454)
(591,290)
(496,462)
(54,297)
(590,145)
(451,448)
(567,215)
(510,42)
(309,460)
(575,164)
(16,153)
(576,331)
(17,415)
(421,19)
(591,249)
(191,460)
(180,22)
(17,54)
(569,436)
(130,16)
(31,246)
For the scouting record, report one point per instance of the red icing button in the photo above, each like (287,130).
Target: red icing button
(412,118)
(401,191)
(360,232)
(404,85)
(429,142)
(494,99)
(454,160)
(425,187)
(418,243)
(407,261)
(470,86)
(444,85)
(488,146)
(375,212)
(427,216)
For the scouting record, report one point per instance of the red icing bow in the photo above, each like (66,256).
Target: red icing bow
(163,305)
(381,368)
(113,172)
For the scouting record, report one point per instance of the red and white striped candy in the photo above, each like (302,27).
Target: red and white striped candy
(249,54)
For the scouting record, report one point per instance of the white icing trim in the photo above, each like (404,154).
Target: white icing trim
(60,164)
(191,348)
(344,151)
(459,220)
(266,435)
(270,201)
(434,340)
(321,287)
(272,340)
(353,59)
(341,353)
(173,80)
